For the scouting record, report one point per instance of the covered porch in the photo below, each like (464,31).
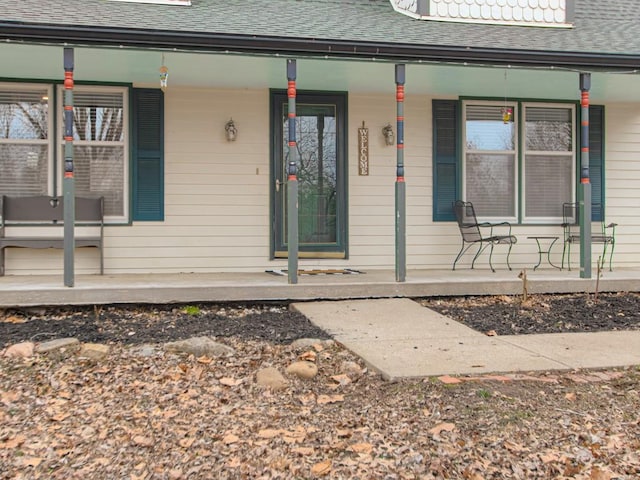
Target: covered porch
(221,200)
(30,290)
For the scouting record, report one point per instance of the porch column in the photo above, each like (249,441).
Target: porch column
(292,179)
(68,183)
(401,214)
(585,184)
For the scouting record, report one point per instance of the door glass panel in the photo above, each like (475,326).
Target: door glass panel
(317,162)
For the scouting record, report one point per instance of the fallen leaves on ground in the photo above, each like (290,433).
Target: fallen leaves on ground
(131,416)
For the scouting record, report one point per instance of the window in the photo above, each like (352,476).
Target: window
(32,156)
(100,146)
(549,158)
(25,142)
(497,179)
(490,160)
(545,151)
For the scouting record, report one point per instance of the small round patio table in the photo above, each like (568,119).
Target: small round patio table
(545,247)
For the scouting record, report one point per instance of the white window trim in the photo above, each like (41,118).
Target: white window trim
(522,132)
(125,143)
(514,152)
(17,87)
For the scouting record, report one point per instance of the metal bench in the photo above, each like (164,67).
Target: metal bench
(49,211)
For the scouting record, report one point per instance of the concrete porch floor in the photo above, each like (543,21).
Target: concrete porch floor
(34,290)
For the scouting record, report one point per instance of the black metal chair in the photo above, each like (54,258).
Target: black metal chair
(606,234)
(481,234)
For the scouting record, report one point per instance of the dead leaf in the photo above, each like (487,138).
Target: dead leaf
(549,457)
(342,379)
(321,468)
(13,319)
(598,474)
(442,427)
(309,356)
(307,399)
(31,461)
(514,447)
(13,442)
(269,433)
(361,448)
(324,399)
(449,380)
(230,438)
(230,382)
(204,359)
(142,441)
(304,451)
(571,396)
(186,442)
(59,417)
(492,333)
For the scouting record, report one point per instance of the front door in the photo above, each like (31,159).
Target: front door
(321,168)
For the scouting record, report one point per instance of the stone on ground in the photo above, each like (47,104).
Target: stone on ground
(20,350)
(94,351)
(303,369)
(270,377)
(57,344)
(200,346)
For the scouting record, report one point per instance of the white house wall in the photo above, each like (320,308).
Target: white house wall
(217,194)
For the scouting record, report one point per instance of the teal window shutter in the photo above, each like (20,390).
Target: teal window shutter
(446,160)
(148,154)
(596,158)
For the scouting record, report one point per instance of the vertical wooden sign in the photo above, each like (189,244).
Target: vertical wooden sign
(363,150)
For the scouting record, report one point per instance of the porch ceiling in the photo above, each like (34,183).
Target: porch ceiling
(42,62)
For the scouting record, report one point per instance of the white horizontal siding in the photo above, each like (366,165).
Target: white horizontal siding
(217,195)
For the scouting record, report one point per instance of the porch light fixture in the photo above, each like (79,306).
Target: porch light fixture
(231,131)
(389,136)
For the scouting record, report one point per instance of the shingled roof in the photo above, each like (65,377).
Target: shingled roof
(604,33)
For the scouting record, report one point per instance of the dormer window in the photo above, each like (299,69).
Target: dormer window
(540,13)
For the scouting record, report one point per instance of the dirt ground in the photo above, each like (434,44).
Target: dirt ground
(145,413)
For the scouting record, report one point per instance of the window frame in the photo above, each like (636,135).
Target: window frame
(519,119)
(125,143)
(50,140)
(574,158)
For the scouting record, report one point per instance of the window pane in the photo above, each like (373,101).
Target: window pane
(485,128)
(98,116)
(24,114)
(99,171)
(490,184)
(548,185)
(549,129)
(24,169)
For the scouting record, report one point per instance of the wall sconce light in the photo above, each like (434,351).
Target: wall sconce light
(231,131)
(389,136)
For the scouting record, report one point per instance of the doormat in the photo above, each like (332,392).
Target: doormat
(327,271)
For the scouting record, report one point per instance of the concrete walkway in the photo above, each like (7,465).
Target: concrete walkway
(400,338)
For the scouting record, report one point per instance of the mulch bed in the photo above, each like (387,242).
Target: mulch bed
(139,324)
(276,323)
(509,315)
